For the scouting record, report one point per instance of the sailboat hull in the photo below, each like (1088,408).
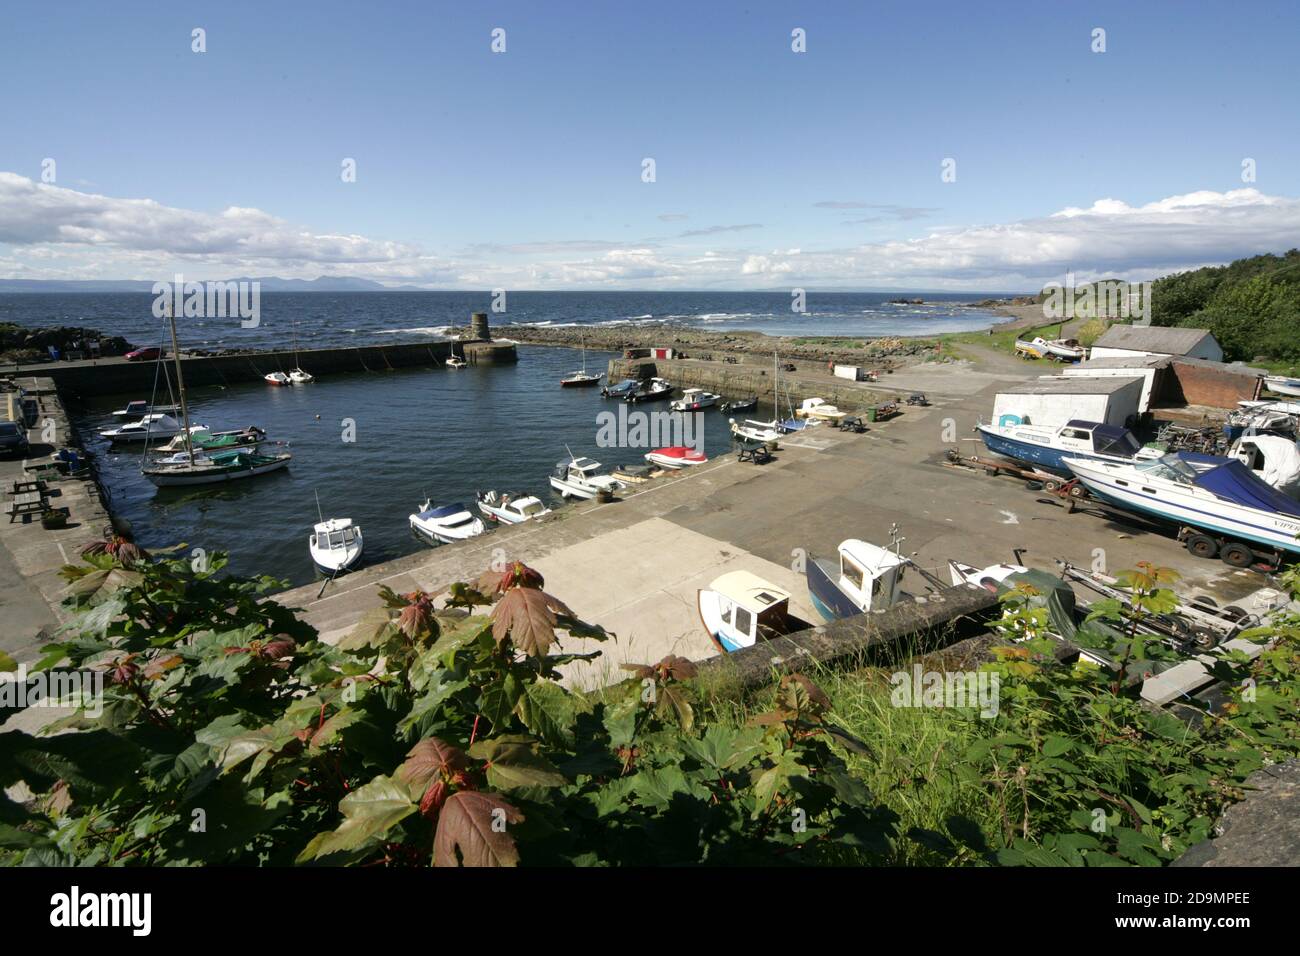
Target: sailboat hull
(167,478)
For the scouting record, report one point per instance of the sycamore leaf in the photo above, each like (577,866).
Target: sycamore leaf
(517,574)
(798,693)
(429,759)
(368,812)
(525,615)
(472,831)
(328,732)
(100,585)
(372,630)
(516,761)
(548,710)
(678,699)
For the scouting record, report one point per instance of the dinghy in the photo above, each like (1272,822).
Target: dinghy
(693,399)
(675,457)
(335,545)
(446,524)
(581,478)
(819,408)
(739,608)
(508,508)
(739,405)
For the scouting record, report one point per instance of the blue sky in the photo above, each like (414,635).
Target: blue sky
(524,168)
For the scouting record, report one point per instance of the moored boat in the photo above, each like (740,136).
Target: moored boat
(446,524)
(508,508)
(652,390)
(739,405)
(583,378)
(205,440)
(276,378)
(206,468)
(335,545)
(621,389)
(298,377)
(694,399)
(141,408)
(675,457)
(152,426)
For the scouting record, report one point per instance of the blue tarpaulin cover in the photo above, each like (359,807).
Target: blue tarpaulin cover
(1234,482)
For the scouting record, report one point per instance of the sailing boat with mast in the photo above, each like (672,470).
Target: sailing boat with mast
(583,379)
(766,432)
(191,467)
(296,375)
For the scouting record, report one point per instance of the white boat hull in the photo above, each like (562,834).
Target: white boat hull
(1281,385)
(214,475)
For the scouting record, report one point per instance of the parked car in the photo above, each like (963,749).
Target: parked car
(150,354)
(13,439)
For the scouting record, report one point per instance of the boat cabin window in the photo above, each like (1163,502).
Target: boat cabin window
(743,621)
(1170,467)
(1122,445)
(851,573)
(1077,433)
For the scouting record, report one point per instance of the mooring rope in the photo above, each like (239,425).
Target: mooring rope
(363,360)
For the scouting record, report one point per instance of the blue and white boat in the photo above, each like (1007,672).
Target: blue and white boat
(740,608)
(621,389)
(1047,447)
(446,524)
(1282,385)
(866,577)
(1226,499)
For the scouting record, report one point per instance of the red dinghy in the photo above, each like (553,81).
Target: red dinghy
(676,456)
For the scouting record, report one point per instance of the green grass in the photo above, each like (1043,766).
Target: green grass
(999,341)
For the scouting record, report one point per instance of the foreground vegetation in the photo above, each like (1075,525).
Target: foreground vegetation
(439,733)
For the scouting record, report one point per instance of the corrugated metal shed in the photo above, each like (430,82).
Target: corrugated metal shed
(1151,338)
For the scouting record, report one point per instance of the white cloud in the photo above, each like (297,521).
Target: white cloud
(48,231)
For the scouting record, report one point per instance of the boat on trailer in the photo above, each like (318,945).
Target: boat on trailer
(508,508)
(581,478)
(1282,385)
(1047,447)
(676,457)
(739,609)
(446,524)
(820,409)
(335,545)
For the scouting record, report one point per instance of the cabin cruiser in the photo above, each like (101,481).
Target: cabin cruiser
(1225,499)
(650,391)
(675,457)
(580,478)
(693,399)
(276,378)
(139,409)
(740,608)
(620,390)
(508,508)
(750,430)
(1046,447)
(155,425)
(819,408)
(335,545)
(446,524)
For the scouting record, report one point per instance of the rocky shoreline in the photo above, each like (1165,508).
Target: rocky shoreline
(21,344)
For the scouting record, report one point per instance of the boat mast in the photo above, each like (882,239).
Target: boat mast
(180,385)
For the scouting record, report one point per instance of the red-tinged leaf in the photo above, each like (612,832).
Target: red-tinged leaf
(473,830)
(434,798)
(517,575)
(523,615)
(417,617)
(278,647)
(798,693)
(428,760)
(159,666)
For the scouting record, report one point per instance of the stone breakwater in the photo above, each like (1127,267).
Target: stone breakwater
(706,344)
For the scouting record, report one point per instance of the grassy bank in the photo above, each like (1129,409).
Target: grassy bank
(959,344)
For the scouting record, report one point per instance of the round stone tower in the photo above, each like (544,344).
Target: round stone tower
(478,327)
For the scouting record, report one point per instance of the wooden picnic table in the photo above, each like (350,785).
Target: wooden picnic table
(24,485)
(29,502)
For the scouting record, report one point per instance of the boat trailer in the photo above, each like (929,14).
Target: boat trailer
(1069,488)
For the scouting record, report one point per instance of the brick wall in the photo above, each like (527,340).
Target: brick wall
(1183,384)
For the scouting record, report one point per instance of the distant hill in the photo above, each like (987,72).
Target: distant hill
(269,284)
(1251,305)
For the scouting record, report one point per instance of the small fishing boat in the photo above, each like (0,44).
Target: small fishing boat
(675,457)
(298,377)
(1226,499)
(652,390)
(335,545)
(152,426)
(751,430)
(139,409)
(582,379)
(1068,350)
(866,577)
(693,399)
(277,378)
(1282,385)
(621,390)
(739,608)
(206,468)
(446,524)
(205,440)
(1046,447)
(819,408)
(508,508)
(581,478)
(739,405)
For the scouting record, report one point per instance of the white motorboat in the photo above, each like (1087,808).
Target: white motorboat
(299,377)
(650,391)
(276,378)
(335,545)
(750,430)
(1275,460)
(676,457)
(446,524)
(740,608)
(139,409)
(820,409)
(1045,447)
(693,399)
(1226,500)
(152,426)
(510,509)
(1282,385)
(581,478)
(866,577)
(1267,405)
